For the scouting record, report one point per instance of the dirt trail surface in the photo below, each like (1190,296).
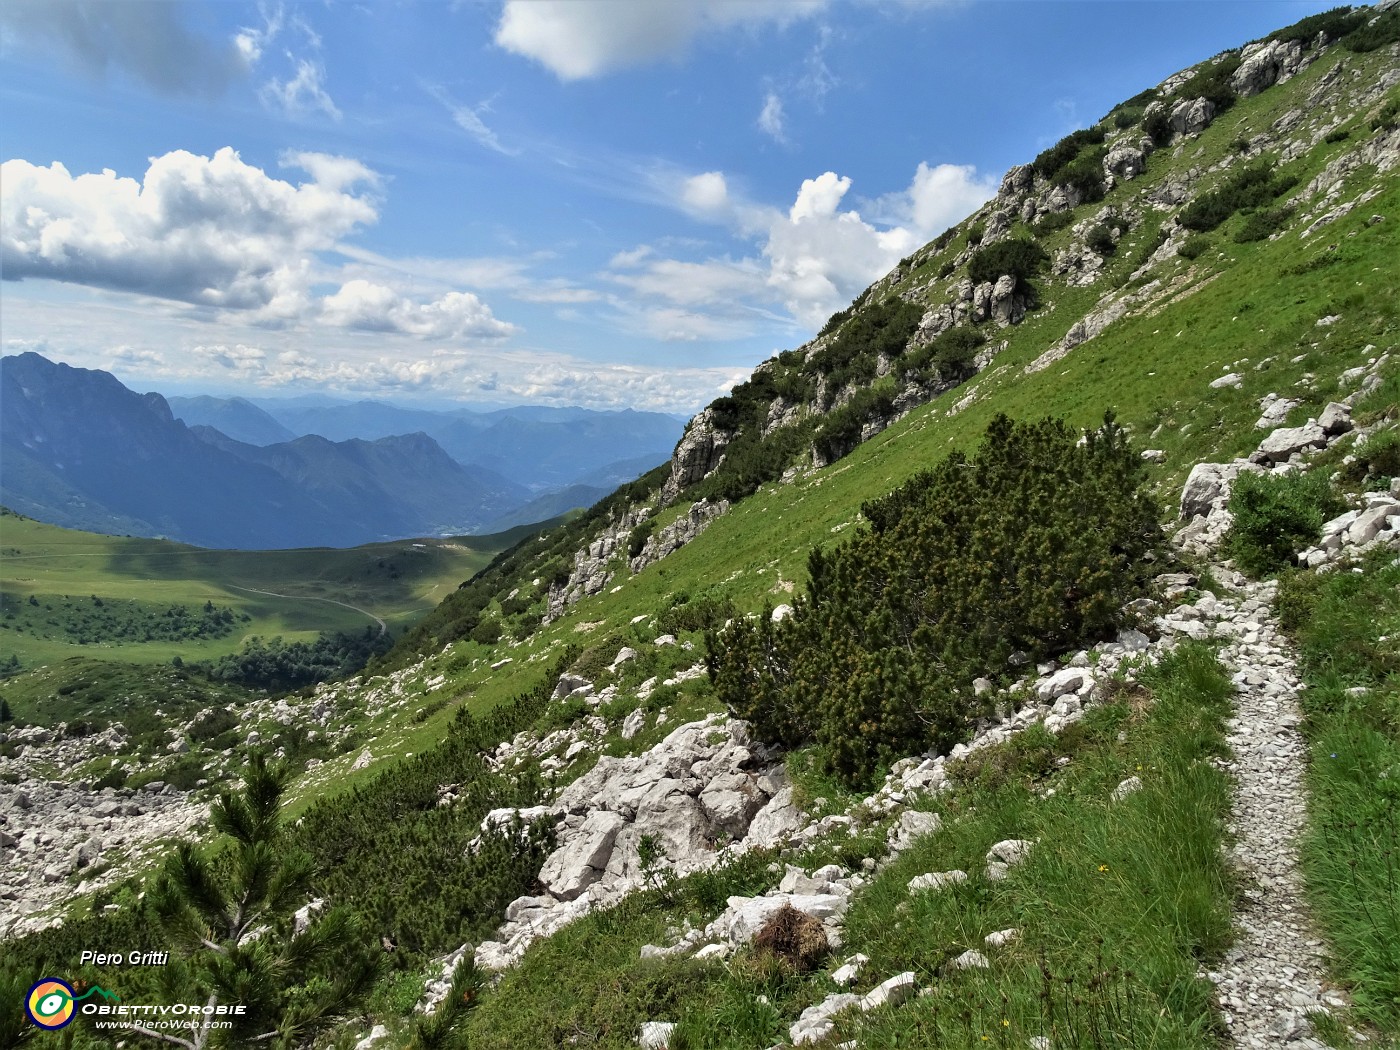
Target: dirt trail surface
(383,627)
(1274,974)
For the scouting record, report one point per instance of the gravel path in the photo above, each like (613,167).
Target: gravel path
(1274,975)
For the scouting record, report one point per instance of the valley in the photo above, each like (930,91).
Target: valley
(65,593)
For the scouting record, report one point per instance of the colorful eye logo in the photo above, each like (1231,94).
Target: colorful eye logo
(50,1003)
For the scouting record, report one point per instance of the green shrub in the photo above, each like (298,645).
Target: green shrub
(1127,117)
(213,723)
(1260,224)
(975,233)
(1251,187)
(487,632)
(1050,162)
(700,614)
(1212,83)
(1275,516)
(840,431)
(1194,246)
(1376,461)
(1085,175)
(1055,220)
(1100,239)
(949,353)
(1386,119)
(1381,31)
(1158,126)
(1337,135)
(637,538)
(1032,546)
(1336,23)
(1018,256)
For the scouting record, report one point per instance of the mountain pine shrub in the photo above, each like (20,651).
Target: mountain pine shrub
(1020,257)
(1275,516)
(1336,23)
(1250,187)
(1378,32)
(1049,162)
(1030,547)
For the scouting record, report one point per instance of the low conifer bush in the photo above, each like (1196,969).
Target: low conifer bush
(1027,549)
(1275,516)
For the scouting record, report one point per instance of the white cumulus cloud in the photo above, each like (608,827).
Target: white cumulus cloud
(576,39)
(374,307)
(812,258)
(210,231)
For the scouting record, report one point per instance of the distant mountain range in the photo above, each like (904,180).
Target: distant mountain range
(539,447)
(77,448)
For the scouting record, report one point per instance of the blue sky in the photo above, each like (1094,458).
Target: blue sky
(598,202)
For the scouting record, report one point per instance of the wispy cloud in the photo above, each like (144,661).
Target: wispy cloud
(469,119)
(770,118)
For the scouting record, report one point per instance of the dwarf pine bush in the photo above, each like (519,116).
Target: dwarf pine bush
(1030,547)
(1275,516)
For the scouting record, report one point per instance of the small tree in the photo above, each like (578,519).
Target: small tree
(232,917)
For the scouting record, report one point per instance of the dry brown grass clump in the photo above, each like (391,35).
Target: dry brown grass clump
(794,937)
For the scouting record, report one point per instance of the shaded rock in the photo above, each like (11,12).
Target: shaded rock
(1335,419)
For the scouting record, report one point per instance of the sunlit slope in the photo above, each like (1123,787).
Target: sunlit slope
(69,593)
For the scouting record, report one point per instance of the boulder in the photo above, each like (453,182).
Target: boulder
(1007,305)
(1370,522)
(655,1035)
(815,1023)
(1335,419)
(1265,65)
(633,723)
(1126,162)
(1273,410)
(1065,680)
(731,800)
(970,960)
(1207,486)
(1286,441)
(1017,180)
(1126,788)
(913,824)
(850,970)
(936,880)
(697,454)
(575,866)
(775,821)
(890,992)
(1192,116)
(1010,851)
(1001,938)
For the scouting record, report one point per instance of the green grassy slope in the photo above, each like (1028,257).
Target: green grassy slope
(293,593)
